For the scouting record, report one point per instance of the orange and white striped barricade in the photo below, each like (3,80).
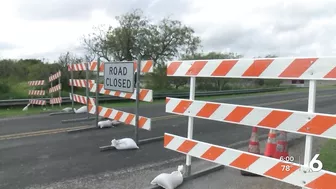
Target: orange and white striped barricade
(138,95)
(53,89)
(39,93)
(308,123)
(81,83)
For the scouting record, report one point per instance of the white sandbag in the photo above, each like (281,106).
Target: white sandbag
(115,123)
(124,144)
(67,109)
(26,107)
(82,109)
(169,181)
(105,123)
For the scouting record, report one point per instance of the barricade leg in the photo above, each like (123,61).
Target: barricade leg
(190,124)
(311,109)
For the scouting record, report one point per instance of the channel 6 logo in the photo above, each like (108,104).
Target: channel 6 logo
(313,163)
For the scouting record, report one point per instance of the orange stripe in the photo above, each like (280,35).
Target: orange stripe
(297,67)
(258,67)
(238,114)
(117,93)
(331,74)
(100,108)
(108,112)
(143,94)
(196,67)
(100,87)
(318,125)
(128,95)
(173,66)
(244,161)
(135,65)
(167,139)
(147,66)
(129,118)
(167,100)
(186,146)
(93,65)
(107,92)
(182,106)
(142,121)
(281,170)
(208,110)
(324,181)
(275,118)
(224,67)
(213,153)
(118,116)
(101,68)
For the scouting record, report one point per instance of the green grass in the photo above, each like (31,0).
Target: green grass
(328,155)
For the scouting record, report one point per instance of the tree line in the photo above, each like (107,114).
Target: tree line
(135,34)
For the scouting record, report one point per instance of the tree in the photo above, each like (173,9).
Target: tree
(136,34)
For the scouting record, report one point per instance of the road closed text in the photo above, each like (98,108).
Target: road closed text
(121,83)
(119,77)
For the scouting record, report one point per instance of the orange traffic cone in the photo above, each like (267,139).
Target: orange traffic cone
(270,144)
(252,148)
(282,146)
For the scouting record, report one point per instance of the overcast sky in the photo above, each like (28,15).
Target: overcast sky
(46,28)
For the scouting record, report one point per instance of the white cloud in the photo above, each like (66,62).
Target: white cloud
(44,29)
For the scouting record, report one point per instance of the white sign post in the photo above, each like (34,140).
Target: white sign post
(119,76)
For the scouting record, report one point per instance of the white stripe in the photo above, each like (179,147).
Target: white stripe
(227,157)
(193,109)
(133,121)
(331,132)
(171,105)
(124,117)
(297,177)
(198,150)
(175,143)
(222,111)
(320,68)
(294,122)
(240,67)
(276,67)
(184,67)
(209,67)
(113,114)
(147,124)
(255,116)
(262,165)
(103,111)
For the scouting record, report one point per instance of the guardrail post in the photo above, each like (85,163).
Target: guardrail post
(190,123)
(97,91)
(137,102)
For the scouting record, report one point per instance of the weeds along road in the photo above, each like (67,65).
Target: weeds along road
(38,149)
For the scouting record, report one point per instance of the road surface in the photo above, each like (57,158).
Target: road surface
(34,152)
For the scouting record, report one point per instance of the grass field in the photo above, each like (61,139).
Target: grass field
(328,155)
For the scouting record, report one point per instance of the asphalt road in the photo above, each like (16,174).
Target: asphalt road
(48,157)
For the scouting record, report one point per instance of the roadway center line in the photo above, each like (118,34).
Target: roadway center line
(158,118)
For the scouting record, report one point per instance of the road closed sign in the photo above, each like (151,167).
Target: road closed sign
(119,76)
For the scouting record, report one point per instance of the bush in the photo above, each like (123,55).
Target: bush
(4,87)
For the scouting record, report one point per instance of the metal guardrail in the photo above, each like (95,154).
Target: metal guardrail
(20,102)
